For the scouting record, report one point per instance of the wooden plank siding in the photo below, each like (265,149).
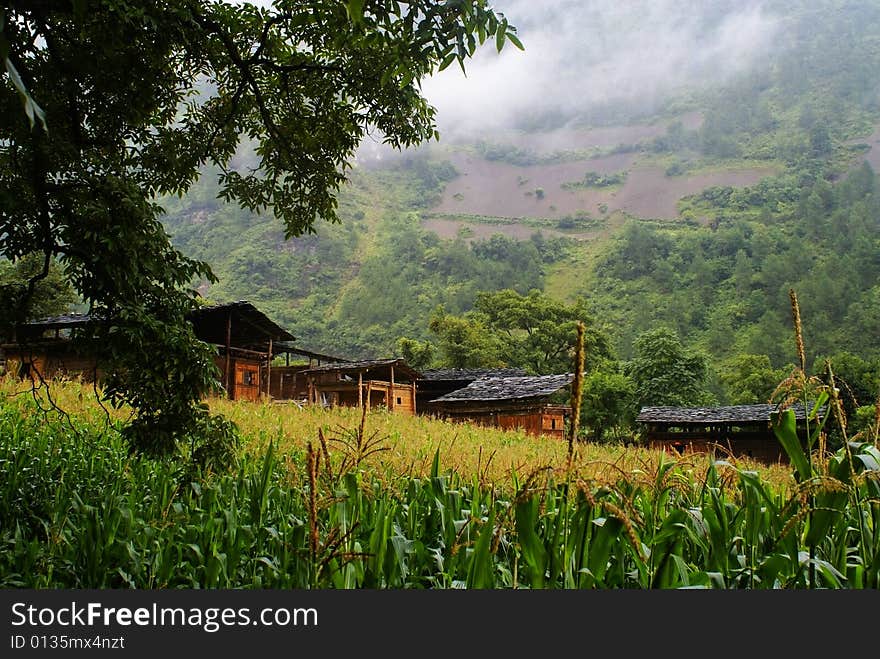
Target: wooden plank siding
(52,361)
(244,378)
(540,420)
(247,380)
(763,449)
(288,383)
(737,430)
(398,397)
(388,383)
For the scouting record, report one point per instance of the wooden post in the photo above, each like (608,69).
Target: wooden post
(229,377)
(269,373)
(413,386)
(391,393)
(360,389)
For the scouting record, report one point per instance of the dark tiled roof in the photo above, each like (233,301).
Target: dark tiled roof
(281,347)
(708,415)
(58,322)
(470,374)
(366,366)
(508,388)
(250,326)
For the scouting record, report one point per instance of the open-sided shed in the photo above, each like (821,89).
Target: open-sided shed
(288,382)
(379,382)
(43,348)
(509,402)
(742,430)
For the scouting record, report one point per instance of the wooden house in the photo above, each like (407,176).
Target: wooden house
(245,338)
(438,382)
(242,334)
(44,349)
(740,430)
(509,402)
(287,381)
(389,383)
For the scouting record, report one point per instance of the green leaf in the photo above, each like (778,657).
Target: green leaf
(785,428)
(515,40)
(867,456)
(604,537)
(500,34)
(435,464)
(31,108)
(481,569)
(449,59)
(355,10)
(532,547)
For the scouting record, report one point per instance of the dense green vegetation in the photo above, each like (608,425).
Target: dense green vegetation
(724,286)
(354,288)
(78,511)
(51,295)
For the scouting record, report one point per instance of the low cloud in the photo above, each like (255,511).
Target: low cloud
(585,57)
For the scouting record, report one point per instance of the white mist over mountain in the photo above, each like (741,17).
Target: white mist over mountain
(584,55)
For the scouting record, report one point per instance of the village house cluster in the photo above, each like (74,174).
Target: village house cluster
(250,349)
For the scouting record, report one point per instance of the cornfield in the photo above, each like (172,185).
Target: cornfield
(77,511)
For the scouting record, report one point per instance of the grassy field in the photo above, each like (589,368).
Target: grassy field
(402,445)
(323,499)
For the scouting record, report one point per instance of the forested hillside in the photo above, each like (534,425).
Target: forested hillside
(697,217)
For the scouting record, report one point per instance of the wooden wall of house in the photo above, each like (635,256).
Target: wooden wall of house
(376,393)
(537,422)
(247,384)
(763,449)
(553,423)
(286,383)
(532,423)
(404,398)
(52,364)
(247,380)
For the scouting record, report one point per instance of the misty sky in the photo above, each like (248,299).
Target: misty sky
(583,54)
(583,57)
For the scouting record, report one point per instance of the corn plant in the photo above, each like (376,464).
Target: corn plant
(78,511)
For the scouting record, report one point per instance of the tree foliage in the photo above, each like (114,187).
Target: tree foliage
(51,295)
(139,97)
(607,402)
(665,373)
(750,379)
(466,341)
(531,331)
(539,333)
